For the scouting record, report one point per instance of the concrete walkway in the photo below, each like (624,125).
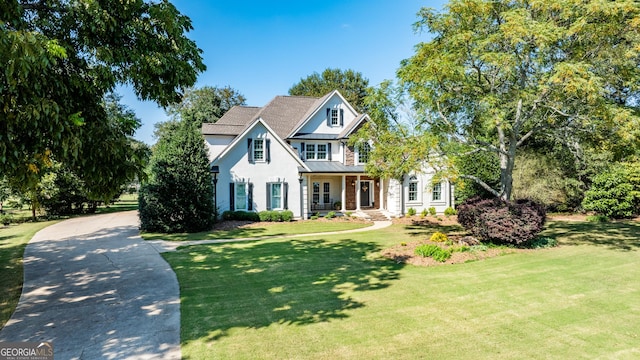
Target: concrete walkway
(168,246)
(96,290)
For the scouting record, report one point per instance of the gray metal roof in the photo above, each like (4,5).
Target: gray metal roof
(313,136)
(331,167)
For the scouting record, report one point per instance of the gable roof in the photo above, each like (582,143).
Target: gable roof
(233,122)
(278,139)
(284,114)
(319,105)
(353,126)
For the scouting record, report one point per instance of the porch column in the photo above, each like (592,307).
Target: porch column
(343,195)
(381,189)
(358,193)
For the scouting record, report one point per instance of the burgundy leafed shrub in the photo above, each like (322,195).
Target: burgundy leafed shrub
(502,222)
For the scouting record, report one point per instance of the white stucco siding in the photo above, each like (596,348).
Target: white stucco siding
(235,167)
(216,144)
(398,196)
(318,122)
(336,149)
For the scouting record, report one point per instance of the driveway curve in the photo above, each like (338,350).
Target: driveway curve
(96,290)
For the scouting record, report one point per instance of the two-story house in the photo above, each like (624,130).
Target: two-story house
(293,154)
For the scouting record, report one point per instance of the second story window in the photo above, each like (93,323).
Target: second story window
(258,149)
(322,152)
(317,152)
(310,152)
(363,153)
(334,117)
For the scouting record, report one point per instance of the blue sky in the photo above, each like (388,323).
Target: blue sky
(262,48)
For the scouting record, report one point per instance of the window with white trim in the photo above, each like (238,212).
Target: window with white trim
(363,152)
(326,193)
(316,192)
(276,195)
(317,151)
(436,192)
(335,119)
(413,188)
(310,152)
(258,150)
(322,151)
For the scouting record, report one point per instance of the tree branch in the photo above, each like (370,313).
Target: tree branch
(483,184)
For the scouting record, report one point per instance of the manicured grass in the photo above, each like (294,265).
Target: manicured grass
(333,297)
(126,202)
(13,240)
(266,229)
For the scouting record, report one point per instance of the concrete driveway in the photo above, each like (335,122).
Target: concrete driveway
(96,290)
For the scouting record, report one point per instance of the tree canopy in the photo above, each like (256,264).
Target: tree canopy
(500,72)
(200,105)
(352,85)
(59,59)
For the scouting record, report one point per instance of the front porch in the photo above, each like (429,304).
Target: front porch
(325,192)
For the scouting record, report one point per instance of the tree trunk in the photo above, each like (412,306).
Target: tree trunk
(507,163)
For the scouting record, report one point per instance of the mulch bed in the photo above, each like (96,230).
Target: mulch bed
(405,252)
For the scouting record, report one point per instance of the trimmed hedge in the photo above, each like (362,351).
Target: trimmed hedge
(240,216)
(267,215)
(276,216)
(502,222)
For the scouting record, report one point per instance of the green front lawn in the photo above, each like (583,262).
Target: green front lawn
(331,297)
(13,240)
(263,229)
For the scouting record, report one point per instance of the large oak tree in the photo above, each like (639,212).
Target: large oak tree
(60,58)
(496,73)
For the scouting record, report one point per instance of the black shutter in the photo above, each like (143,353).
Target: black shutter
(250,150)
(268,150)
(268,196)
(286,195)
(250,197)
(329,151)
(303,154)
(341,117)
(232,196)
(328,117)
